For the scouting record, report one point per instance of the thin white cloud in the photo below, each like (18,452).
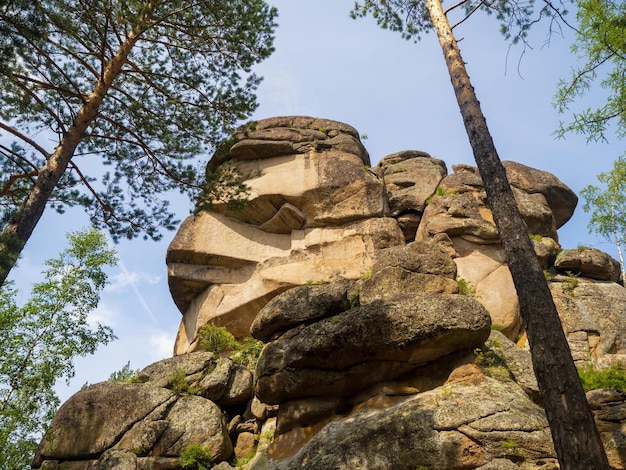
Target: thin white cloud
(103,315)
(121,281)
(161,346)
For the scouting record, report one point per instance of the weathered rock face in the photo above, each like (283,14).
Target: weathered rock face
(335,343)
(593,314)
(464,423)
(331,213)
(320,223)
(174,404)
(459,210)
(378,293)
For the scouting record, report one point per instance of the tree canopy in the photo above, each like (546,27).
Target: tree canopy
(600,44)
(111,104)
(608,206)
(40,339)
(412,19)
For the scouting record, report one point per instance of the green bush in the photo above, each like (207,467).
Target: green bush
(125,374)
(570,283)
(609,377)
(247,352)
(177,383)
(216,339)
(196,457)
(219,340)
(465,287)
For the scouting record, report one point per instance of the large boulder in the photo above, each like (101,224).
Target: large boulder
(410,178)
(593,315)
(173,404)
(324,220)
(559,197)
(341,354)
(588,262)
(468,422)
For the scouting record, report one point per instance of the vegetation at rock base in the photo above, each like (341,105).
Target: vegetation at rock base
(113,105)
(196,457)
(493,364)
(465,287)
(219,340)
(354,299)
(609,377)
(40,339)
(177,383)
(570,282)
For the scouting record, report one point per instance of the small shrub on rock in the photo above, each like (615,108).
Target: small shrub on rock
(219,340)
(216,339)
(610,377)
(177,383)
(196,457)
(465,287)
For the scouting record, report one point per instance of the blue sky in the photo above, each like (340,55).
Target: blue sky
(394,91)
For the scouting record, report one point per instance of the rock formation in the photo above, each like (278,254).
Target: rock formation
(391,326)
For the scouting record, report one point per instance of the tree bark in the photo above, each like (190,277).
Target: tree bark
(576,438)
(19,230)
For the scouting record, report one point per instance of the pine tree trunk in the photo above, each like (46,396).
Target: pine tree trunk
(576,438)
(18,231)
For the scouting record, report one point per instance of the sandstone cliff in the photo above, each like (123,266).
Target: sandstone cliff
(391,326)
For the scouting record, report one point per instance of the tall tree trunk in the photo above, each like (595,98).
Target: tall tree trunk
(19,230)
(576,438)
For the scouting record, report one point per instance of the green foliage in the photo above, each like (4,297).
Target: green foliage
(609,377)
(509,444)
(125,374)
(21,23)
(178,79)
(196,457)
(439,192)
(216,339)
(354,299)
(177,383)
(247,352)
(536,237)
(465,287)
(226,185)
(608,206)
(369,273)
(512,445)
(219,340)
(319,282)
(570,282)
(600,45)
(40,339)
(493,363)
(240,463)
(412,20)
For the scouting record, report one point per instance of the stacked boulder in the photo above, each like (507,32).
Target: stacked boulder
(391,325)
